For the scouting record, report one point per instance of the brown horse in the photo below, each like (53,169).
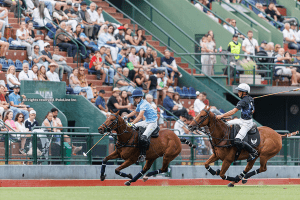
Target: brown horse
(270,145)
(167,144)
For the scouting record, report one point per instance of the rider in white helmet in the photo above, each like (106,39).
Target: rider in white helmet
(246,105)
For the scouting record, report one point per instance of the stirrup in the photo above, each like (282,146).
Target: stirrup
(142,158)
(252,156)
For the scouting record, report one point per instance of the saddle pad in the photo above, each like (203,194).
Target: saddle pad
(154,134)
(252,137)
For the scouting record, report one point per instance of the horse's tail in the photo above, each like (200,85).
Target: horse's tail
(289,134)
(187,142)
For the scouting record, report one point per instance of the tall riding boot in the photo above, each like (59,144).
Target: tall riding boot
(98,74)
(252,152)
(143,148)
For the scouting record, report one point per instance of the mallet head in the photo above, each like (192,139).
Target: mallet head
(84,154)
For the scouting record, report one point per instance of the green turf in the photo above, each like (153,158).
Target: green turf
(153,193)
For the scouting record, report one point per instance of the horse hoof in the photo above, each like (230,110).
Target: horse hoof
(244,181)
(217,172)
(145,178)
(130,176)
(102,177)
(127,183)
(230,185)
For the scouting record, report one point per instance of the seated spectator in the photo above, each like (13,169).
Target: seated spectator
(289,37)
(170,106)
(31,122)
(105,39)
(51,74)
(46,52)
(19,121)
(141,59)
(250,44)
(152,86)
(270,49)
(16,105)
(59,16)
(134,59)
(281,57)
(180,125)
(23,38)
(273,12)
(192,111)
(108,71)
(80,36)
(33,40)
(110,31)
(176,100)
(42,74)
(4,105)
(149,60)
(35,70)
(39,59)
(123,100)
(26,74)
(8,119)
(86,20)
(61,61)
(100,19)
(4,47)
(120,36)
(149,98)
(130,40)
(122,84)
(3,19)
(162,83)
(226,26)
(198,103)
(100,103)
(81,77)
(140,40)
(73,13)
(11,78)
(109,60)
(277,47)
(97,63)
(113,104)
(63,42)
(170,63)
(260,11)
(83,93)
(94,17)
(263,45)
(204,98)
(141,80)
(122,58)
(295,32)
(212,16)
(42,17)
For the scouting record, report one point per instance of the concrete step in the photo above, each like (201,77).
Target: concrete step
(160,48)
(106,88)
(190,71)
(109,10)
(117,15)
(153,43)
(124,20)
(183,65)
(177,59)
(148,37)
(102,4)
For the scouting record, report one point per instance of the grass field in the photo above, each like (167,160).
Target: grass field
(152,193)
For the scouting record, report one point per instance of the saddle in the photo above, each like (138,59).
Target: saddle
(252,137)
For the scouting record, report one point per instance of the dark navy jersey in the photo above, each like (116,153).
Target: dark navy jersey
(246,105)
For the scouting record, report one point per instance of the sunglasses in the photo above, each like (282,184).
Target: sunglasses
(21,117)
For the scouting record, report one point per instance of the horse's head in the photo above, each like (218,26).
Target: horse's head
(202,119)
(110,124)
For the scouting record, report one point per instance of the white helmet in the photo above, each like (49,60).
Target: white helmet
(244,87)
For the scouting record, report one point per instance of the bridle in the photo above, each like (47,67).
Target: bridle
(119,144)
(209,134)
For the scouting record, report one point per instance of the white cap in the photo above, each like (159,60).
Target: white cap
(46,44)
(32,112)
(197,93)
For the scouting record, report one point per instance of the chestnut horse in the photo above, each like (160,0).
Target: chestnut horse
(167,144)
(219,132)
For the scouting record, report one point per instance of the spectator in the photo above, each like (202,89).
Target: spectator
(100,103)
(263,45)
(46,52)
(197,5)
(4,106)
(86,20)
(63,42)
(212,16)
(51,74)
(176,100)
(4,47)
(234,46)
(198,103)
(120,36)
(149,98)
(11,78)
(94,17)
(113,104)
(100,19)
(149,60)
(170,63)
(141,58)
(23,37)
(42,74)
(210,47)
(3,19)
(109,61)
(260,11)
(122,58)
(141,80)
(273,12)
(130,40)
(83,93)
(170,106)
(31,122)
(277,47)
(180,125)
(8,119)
(97,63)
(42,17)
(13,7)
(19,121)
(81,37)
(289,37)
(283,70)
(122,84)
(83,83)
(26,74)
(32,39)
(109,72)
(105,39)
(270,49)
(134,59)
(124,101)
(16,105)
(152,86)
(227,27)
(295,32)
(73,13)
(250,44)
(62,63)
(140,40)
(39,59)
(162,83)
(35,70)
(204,97)
(59,16)
(192,111)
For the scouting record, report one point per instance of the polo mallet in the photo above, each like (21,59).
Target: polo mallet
(85,154)
(294,90)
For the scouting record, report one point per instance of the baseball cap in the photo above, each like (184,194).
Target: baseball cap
(46,44)
(16,86)
(264,42)
(32,112)
(83,3)
(235,35)
(121,27)
(102,91)
(124,48)
(83,90)
(69,3)
(76,5)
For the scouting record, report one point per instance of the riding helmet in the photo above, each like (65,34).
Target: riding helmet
(137,93)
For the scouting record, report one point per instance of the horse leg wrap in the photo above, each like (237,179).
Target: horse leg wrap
(103,166)
(154,173)
(248,175)
(121,174)
(239,177)
(139,175)
(213,172)
(228,178)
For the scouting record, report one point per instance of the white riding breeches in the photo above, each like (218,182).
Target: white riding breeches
(245,125)
(150,127)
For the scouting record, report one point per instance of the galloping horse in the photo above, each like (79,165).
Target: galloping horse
(219,133)
(167,144)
